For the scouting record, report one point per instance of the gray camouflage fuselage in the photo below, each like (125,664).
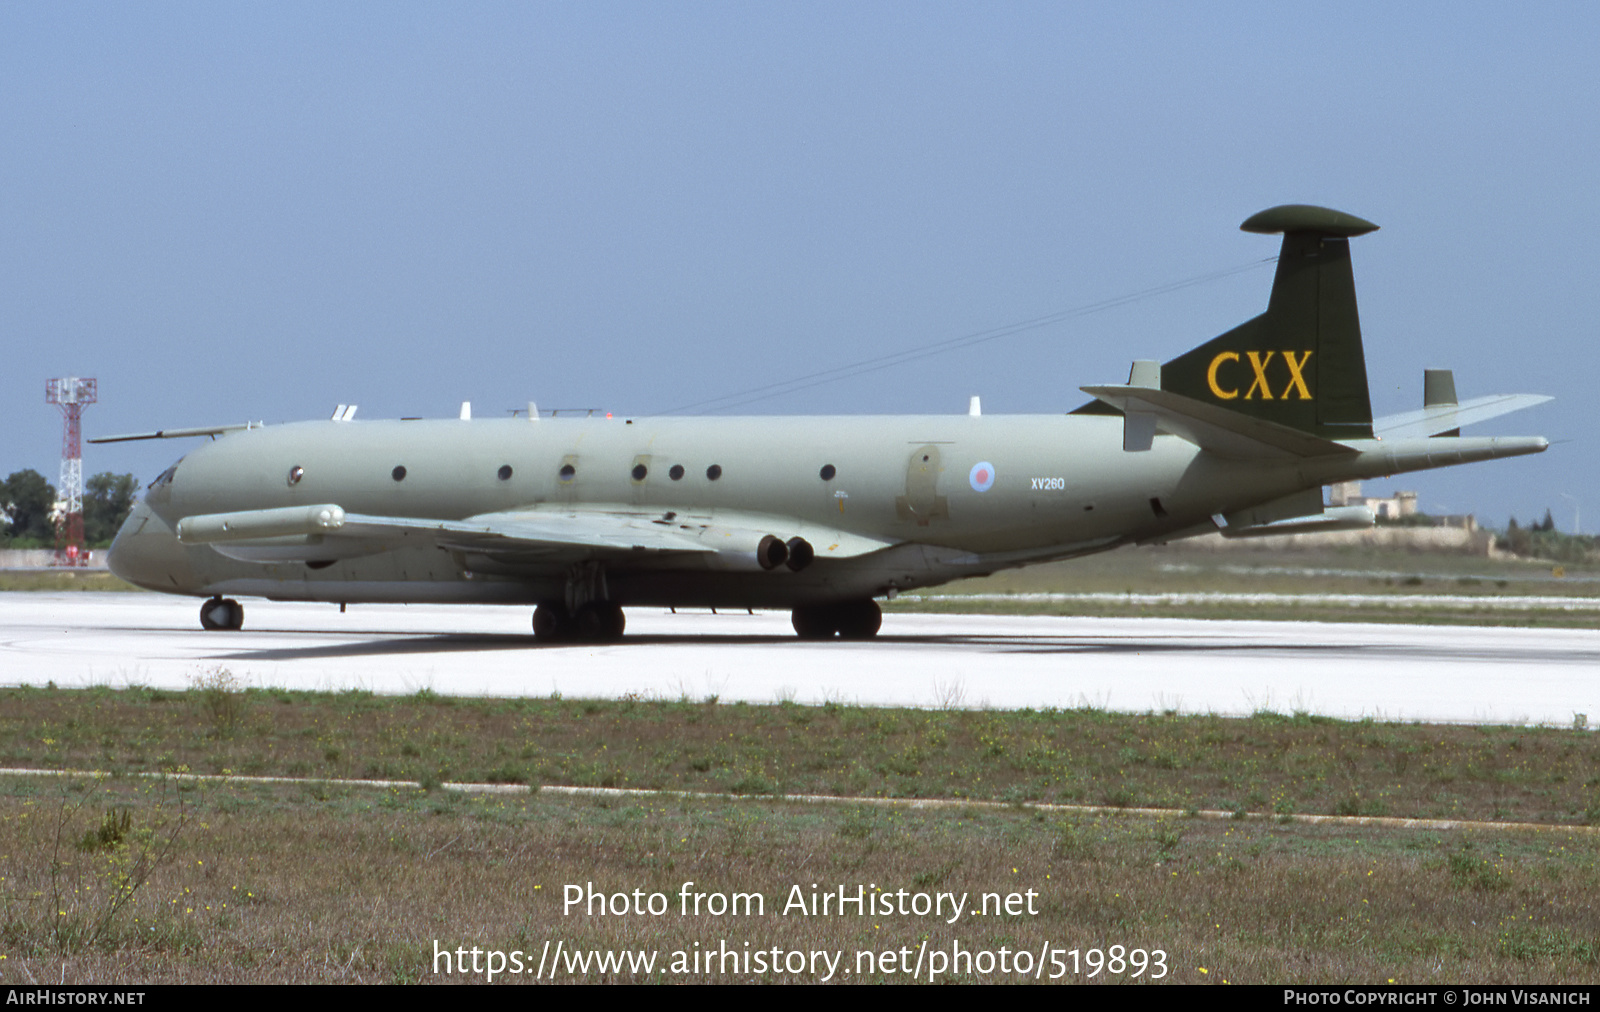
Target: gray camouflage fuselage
(1062,486)
(819,515)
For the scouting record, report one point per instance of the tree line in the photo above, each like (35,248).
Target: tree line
(28,503)
(1541,540)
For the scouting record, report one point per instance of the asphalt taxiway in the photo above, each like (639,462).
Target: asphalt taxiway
(1387,672)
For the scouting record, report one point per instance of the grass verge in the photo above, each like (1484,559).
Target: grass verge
(138,879)
(1271,762)
(303,883)
(62,579)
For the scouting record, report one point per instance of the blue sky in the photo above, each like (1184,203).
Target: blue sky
(229,211)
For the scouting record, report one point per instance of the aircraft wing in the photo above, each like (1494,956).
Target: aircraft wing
(552,535)
(1214,429)
(587,533)
(1431,421)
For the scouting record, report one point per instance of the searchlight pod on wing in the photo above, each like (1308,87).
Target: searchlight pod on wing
(581,516)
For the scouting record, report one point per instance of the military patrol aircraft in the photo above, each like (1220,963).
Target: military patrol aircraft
(580,517)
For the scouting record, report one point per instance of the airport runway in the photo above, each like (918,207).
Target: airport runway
(1389,672)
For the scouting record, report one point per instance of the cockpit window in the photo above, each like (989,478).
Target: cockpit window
(165,477)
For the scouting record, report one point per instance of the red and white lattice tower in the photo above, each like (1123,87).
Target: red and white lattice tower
(72,395)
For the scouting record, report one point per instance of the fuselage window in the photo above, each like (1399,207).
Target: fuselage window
(714,472)
(828,472)
(639,471)
(399,473)
(567,472)
(676,472)
(505,472)
(295,474)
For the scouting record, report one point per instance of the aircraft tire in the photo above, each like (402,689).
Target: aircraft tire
(551,623)
(859,620)
(815,622)
(222,614)
(599,622)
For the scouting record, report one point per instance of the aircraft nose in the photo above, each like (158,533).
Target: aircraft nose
(147,554)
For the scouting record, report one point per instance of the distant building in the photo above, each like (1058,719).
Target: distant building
(1396,507)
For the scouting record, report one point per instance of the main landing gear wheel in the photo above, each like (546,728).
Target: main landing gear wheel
(551,623)
(851,620)
(222,613)
(595,622)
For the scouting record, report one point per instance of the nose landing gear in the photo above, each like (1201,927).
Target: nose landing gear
(222,613)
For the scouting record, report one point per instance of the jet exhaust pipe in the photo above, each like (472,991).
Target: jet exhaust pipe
(771,553)
(800,554)
(746,550)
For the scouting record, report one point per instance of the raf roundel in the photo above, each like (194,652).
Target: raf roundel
(982,476)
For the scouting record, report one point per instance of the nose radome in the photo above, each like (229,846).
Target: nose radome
(147,554)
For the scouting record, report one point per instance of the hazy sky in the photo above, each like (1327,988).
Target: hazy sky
(259,211)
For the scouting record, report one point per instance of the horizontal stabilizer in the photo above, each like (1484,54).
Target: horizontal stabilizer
(1440,418)
(1217,430)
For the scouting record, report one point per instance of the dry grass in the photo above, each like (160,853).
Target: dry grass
(131,879)
(290,884)
(62,579)
(1261,611)
(1474,584)
(1181,568)
(1272,763)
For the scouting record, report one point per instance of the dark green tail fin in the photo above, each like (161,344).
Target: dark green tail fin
(1300,363)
